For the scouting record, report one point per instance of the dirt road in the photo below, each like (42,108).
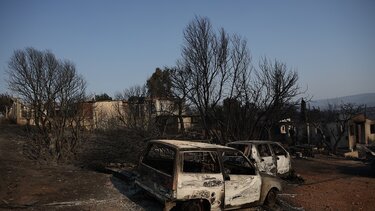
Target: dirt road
(333,184)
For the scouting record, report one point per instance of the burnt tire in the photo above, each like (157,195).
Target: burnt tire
(271,199)
(194,205)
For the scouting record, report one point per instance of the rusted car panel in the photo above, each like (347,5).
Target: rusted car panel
(213,177)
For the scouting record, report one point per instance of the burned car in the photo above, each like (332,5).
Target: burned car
(186,175)
(270,157)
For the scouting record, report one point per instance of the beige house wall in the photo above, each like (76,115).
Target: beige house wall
(20,113)
(165,107)
(106,113)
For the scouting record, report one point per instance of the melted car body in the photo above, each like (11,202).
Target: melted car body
(201,176)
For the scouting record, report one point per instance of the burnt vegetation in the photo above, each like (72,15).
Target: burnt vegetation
(53,91)
(234,99)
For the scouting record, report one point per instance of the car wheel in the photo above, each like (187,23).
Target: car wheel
(271,198)
(192,206)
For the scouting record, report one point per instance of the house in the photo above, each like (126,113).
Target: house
(164,113)
(101,114)
(20,113)
(362,129)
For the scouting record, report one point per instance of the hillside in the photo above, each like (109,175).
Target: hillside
(367,99)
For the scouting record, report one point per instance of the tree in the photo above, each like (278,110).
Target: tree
(179,90)
(135,110)
(6,102)
(102,97)
(207,71)
(278,87)
(340,116)
(53,90)
(159,84)
(234,99)
(137,91)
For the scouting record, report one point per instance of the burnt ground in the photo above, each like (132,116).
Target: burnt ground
(94,182)
(332,183)
(30,185)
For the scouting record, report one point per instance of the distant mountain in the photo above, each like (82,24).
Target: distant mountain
(367,99)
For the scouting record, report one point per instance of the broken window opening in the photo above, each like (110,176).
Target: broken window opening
(236,163)
(264,150)
(279,151)
(372,128)
(200,162)
(160,158)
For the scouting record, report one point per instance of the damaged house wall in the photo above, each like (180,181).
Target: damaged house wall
(361,130)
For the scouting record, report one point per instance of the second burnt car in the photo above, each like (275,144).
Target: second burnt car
(270,157)
(186,175)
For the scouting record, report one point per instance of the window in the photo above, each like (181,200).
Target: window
(236,163)
(372,128)
(278,150)
(201,162)
(351,130)
(282,129)
(161,158)
(264,150)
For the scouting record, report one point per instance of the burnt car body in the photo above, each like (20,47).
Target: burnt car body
(367,154)
(270,157)
(186,175)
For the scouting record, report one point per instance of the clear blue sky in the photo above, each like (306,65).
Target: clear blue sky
(118,44)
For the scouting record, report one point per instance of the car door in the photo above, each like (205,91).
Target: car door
(266,162)
(200,177)
(242,182)
(157,171)
(282,159)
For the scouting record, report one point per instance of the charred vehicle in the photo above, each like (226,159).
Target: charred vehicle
(186,175)
(367,154)
(270,157)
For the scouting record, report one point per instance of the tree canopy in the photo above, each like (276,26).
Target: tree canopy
(159,84)
(102,97)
